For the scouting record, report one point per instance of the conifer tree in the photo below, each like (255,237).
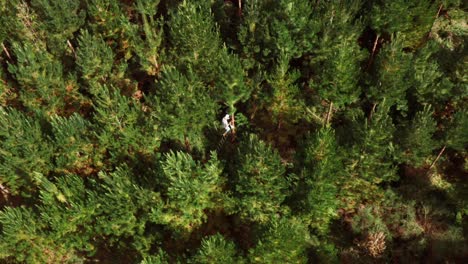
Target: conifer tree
(412,20)
(60,19)
(274,28)
(74,145)
(197,43)
(429,85)
(417,138)
(216,249)
(24,150)
(375,152)
(283,102)
(23,240)
(147,48)
(337,59)
(125,208)
(121,126)
(67,212)
(285,240)
(391,75)
(190,190)
(94,58)
(260,181)
(322,170)
(183,108)
(42,79)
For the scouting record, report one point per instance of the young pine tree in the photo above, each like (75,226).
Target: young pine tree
(260,185)
(417,138)
(392,68)
(285,240)
(24,150)
(60,19)
(74,145)
(321,173)
(148,47)
(121,126)
(23,239)
(42,81)
(94,58)
(183,108)
(337,57)
(190,189)
(216,249)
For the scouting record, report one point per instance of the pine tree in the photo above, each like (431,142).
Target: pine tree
(285,240)
(216,249)
(391,75)
(147,48)
(67,212)
(23,240)
(274,28)
(283,102)
(182,108)
(196,42)
(375,152)
(429,85)
(94,58)
(322,170)
(61,19)
(260,185)
(417,138)
(337,57)
(125,209)
(412,20)
(121,126)
(24,150)
(42,80)
(74,145)
(190,190)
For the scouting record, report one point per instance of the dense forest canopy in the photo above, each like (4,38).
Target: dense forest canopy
(349,139)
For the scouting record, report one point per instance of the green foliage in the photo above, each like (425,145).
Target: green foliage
(216,249)
(197,43)
(271,29)
(374,155)
(285,241)
(147,48)
(60,19)
(94,59)
(338,56)
(417,138)
(190,190)
(456,135)
(412,20)
(74,148)
(322,169)
(183,108)
(121,126)
(42,78)
(23,241)
(283,102)
(110,147)
(391,75)
(23,150)
(260,181)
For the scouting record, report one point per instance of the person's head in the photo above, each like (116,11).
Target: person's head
(227,116)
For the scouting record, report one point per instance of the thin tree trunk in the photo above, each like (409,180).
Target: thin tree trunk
(373,50)
(437,158)
(330,109)
(71,47)
(6,51)
(240,7)
(372,111)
